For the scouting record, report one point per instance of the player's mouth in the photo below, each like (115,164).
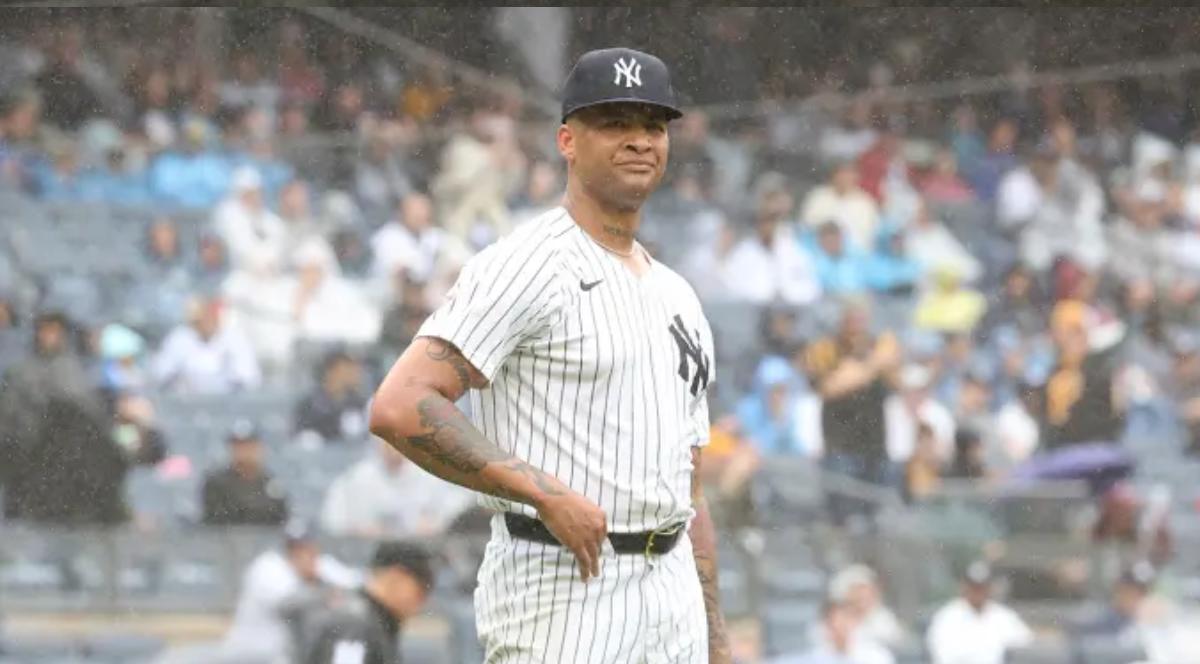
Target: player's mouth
(637,166)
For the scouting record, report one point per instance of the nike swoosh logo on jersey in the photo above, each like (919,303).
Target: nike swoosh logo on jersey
(586,286)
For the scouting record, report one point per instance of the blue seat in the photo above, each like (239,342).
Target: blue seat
(786,627)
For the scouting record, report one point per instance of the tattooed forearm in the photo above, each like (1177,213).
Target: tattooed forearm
(450,447)
(450,439)
(704,545)
(440,351)
(718,640)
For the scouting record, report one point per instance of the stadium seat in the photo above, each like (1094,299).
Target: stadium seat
(786,627)
(1049,652)
(1107,650)
(121,648)
(420,649)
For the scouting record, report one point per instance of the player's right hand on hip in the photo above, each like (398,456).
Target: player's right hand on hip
(578,524)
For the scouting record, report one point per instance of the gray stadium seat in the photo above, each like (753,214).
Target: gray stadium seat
(121,648)
(1041,653)
(1107,650)
(419,649)
(786,627)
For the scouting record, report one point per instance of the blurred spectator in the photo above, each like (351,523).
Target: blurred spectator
(839,640)
(380,182)
(931,244)
(52,376)
(480,168)
(335,410)
(1140,618)
(543,191)
(1128,519)
(411,241)
(1081,403)
(974,629)
(768,266)
(255,237)
(853,134)
(844,202)
(1017,430)
(368,624)
(74,471)
(243,493)
(852,372)
(328,307)
(890,268)
(858,587)
(984,170)
(950,307)
(910,408)
(387,496)
(1054,208)
(193,177)
(1184,385)
(207,355)
(923,468)
(156,117)
(776,417)
(408,311)
(840,266)
(121,355)
(353,254)
(248,87)
(1018,305)
(20,134)
(135,430)
(212,264)
(276,581)
(68,83)
(295,211)
(969,462)
(942,184)
(884,173)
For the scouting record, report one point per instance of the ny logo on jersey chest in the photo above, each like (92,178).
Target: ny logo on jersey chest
(690,353)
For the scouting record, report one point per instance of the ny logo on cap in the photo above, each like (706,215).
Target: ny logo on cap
(631,71)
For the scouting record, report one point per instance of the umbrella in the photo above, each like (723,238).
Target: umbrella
(1099,464)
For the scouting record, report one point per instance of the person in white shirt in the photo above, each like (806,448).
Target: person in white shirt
(327,306)
(769,265)
(206,356)
(973,629)
(386,495)
(841,200)
(838,640)
(858,587)
(411,241)
(255,237)
(933,246)
(911,407)
(259,633)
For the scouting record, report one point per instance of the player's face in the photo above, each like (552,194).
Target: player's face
(619,151)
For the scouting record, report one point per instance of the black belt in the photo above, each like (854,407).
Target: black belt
(657,542)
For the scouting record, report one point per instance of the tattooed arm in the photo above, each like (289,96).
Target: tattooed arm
(414,411)
(704,548)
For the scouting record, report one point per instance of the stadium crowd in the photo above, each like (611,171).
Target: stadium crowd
(939,291)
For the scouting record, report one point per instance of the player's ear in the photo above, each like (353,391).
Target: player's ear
(566,142)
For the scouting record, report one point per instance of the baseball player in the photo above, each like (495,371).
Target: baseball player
(588,365)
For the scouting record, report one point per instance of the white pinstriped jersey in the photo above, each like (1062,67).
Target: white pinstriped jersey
(596,376)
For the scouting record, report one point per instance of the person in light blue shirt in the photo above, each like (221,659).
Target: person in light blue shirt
(767,415)
(888,269)
(192,177)
(840,265)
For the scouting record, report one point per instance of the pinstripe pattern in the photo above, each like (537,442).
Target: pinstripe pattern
(584,385)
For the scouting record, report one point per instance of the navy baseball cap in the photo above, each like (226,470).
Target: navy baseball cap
(619,75)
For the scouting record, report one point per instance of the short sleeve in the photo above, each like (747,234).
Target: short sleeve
(503,297)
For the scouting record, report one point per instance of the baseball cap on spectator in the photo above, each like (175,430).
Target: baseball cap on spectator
(848,579)
(1140,574)
(297,532)
(243,431)
(408,556)
(118,342)
(246,179)
(978,573)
